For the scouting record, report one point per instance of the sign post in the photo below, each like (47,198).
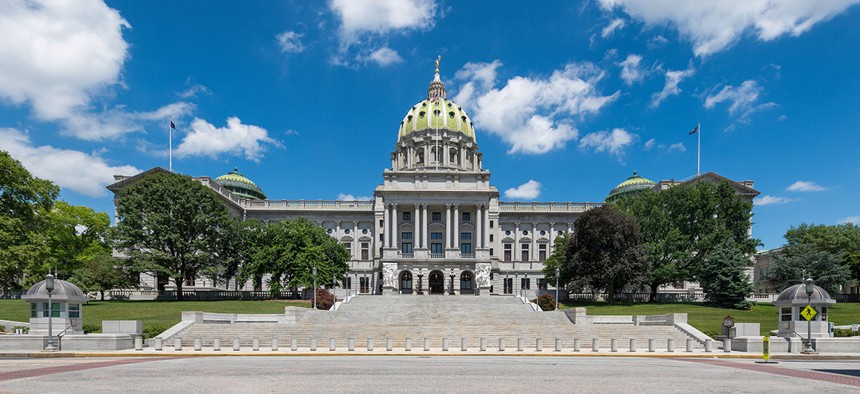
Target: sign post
(765,352)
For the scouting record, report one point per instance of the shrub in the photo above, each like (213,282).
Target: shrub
(325,300)
(2,328)
(91,328)
(152,331)
(546,302)
(844,332)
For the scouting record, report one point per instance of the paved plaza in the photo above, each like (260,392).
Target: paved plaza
(423,374)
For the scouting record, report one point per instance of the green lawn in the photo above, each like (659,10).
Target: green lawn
(155,314)
(709,319)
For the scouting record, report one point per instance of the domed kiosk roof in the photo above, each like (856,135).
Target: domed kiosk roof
(796,295)
(63,290)
(241,186)
(436,113)
(632,185)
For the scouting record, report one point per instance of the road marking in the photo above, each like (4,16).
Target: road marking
(28,373)
(777,370)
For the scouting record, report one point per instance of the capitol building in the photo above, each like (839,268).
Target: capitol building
(435,225)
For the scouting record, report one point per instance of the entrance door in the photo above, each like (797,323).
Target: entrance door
(466,283)
(437,283)
(406,282)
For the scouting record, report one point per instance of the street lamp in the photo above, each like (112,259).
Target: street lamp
(49,285)
(556,288)
(810,287)
(315,287)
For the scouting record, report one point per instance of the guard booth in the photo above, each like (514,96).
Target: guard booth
(792,304)
(64,310)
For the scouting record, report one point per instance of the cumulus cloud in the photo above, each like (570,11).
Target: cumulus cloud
(384,57)
(235,139)
(670,88)
(614,142)
(771,200)
(55,54)
(527,191)
(616,24)
(630,71)
(855,220)
(743,99)
(532,114)
(713,26)
(113,123)
(677,147)
(290,42)
(805,186)
(84,173)
(350,197)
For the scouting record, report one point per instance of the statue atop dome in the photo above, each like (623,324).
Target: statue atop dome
(438,58)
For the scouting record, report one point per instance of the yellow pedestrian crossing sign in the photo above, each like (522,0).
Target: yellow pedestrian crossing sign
(808,313)
(765,348)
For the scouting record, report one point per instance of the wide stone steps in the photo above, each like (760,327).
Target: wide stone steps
(435,318)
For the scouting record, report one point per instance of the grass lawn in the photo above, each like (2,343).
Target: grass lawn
(156,315)
(708,319)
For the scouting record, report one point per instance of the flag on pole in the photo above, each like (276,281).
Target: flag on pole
(172,126)
(695,130)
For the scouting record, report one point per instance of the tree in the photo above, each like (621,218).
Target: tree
(723,276)
(170,224)
(797,262)
(76,234)
(24,205)
(236,250)
(290,249)
(102,273)
(605,251)
(843,239)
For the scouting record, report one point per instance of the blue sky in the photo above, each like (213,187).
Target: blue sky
(568,98)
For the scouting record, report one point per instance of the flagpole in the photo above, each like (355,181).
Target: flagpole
(699,151)
(170,142)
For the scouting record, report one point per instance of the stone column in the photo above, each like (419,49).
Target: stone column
(533,251)
(457,226)
(386,220)
(356,253)
(447,226)
(416,235)
(394,221)
(426,225)
(487,229)
(462,157)
(479,239)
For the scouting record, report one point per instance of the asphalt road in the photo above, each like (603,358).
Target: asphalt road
(418,374)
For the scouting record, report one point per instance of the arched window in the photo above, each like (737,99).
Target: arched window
(406,282)
(420,155)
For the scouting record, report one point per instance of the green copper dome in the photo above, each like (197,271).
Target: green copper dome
(632,185)
(241,186)
(436,113)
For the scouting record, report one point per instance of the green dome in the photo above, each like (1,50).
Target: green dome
(436,114)
(241,186)
(632,185)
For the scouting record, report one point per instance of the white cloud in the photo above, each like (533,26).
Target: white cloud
(384,57)
(532,114)
(350,197)
(379,17)
(805,186)
(650,144)
(616,24)
(670,88)
(630,71)
(55,55)
(770,200)
(236,139)
(713,26)
(114,123)
(527,191)
(855,220)
(290,42)
(87,174)
(193,91)
(613,142)
(677,147)
(743,99)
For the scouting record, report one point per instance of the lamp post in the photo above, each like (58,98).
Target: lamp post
(810,287)
(527,285)
(556,288)
(315,287)
(49,285)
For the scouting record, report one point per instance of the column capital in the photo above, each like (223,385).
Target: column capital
(355,222)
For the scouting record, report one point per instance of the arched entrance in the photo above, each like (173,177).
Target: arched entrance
(467,285)
(436,282)
(406,282)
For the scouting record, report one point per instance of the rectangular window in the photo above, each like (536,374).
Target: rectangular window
(348,283)
(823,313)
(380,223)
(491,253)
(784,314)
(55,309)
(381,238)
(190,281)
(436,216)
(466,248)
(508,252)
(407,216)
(491,237)
(436,248)
(491,224)
(525,252)
(542,252)
(406,247)
(33,312)
(467,216)
(74,311)
(364,284)
(406,235)
(525,283)
(465,236)
(347,246)
(365,251)
(509,285)
(436,236)
(541,283)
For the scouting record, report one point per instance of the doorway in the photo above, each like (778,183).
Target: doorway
(466,283)
(406,282)
(436,282)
